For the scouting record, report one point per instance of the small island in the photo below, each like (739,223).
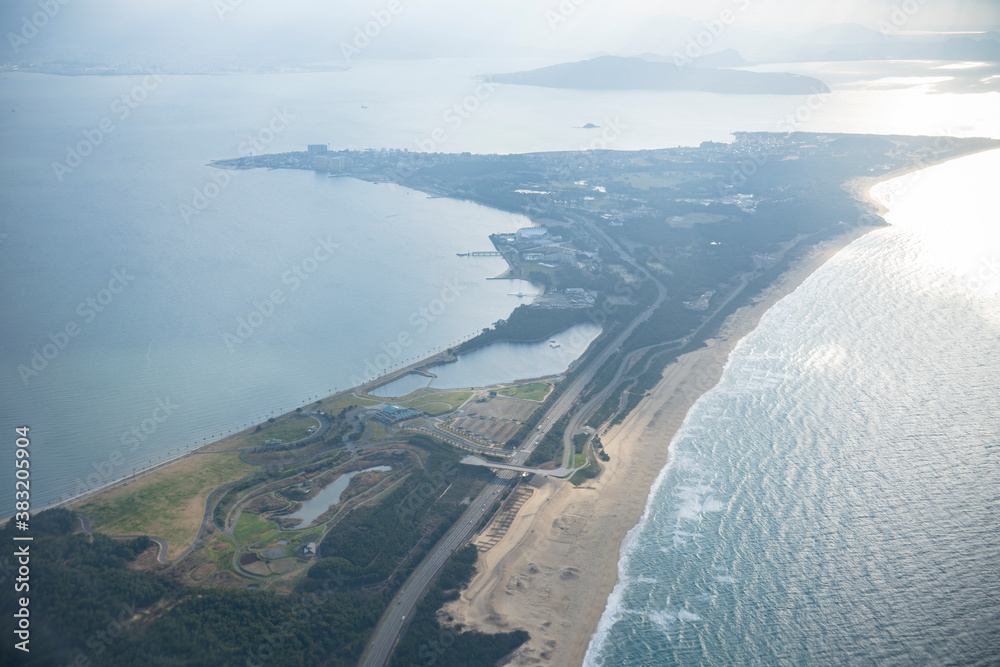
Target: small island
(617,73)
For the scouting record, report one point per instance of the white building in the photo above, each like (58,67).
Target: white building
(532,233)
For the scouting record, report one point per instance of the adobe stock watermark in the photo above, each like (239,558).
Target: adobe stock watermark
(305,606)
(900,16)
(611,131)
(985,278)
(577,343)
(219,179)
(141,432)
(225,7)
(88,310)
(427,491)
(262,310)
(100,640)
(364,35)
(699,44)
(104,470)
(420,320)
(432,651)
(455,115)
(121,108)
(562,13)
(792,122)
(37,21)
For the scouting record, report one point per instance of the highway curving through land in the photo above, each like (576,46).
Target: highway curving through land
(401,608)
(393,621)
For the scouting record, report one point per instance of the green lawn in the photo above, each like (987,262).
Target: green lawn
(435,401)
(222,557)
(251,528)
(377,430)
(534,391)
(287,428)
(345,400)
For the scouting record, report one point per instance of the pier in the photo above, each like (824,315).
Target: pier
(481,253)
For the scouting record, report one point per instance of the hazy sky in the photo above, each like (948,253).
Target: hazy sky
(565,27)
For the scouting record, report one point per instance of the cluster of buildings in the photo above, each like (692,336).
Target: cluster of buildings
(535,244)
(393,414)
(324,160)
(571,297)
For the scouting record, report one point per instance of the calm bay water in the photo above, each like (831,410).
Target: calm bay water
(501,362)
(834,499)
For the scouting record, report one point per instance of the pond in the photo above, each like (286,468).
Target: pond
(500,362)
(328,497)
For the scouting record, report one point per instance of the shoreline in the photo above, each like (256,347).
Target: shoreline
(559,558)
(554,570)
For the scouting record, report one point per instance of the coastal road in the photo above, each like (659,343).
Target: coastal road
(394,619)
(401,608)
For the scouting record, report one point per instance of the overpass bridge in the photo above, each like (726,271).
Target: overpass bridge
(555,472)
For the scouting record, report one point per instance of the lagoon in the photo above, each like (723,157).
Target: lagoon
(500,363)
(329,496)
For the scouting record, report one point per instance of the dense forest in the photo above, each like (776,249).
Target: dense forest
(426,642)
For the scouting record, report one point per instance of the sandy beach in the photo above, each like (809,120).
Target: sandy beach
(553,571)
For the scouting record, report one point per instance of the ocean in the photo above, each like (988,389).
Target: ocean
(834,499)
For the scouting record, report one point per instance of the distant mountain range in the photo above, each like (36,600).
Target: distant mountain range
(614,73)
(849,41)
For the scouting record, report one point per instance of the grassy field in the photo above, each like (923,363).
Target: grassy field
(286,428)
(251,528)
(644,180)
(344,400)
(168,503)
(435,401)
(535,391)
(215,556)
(377,431)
